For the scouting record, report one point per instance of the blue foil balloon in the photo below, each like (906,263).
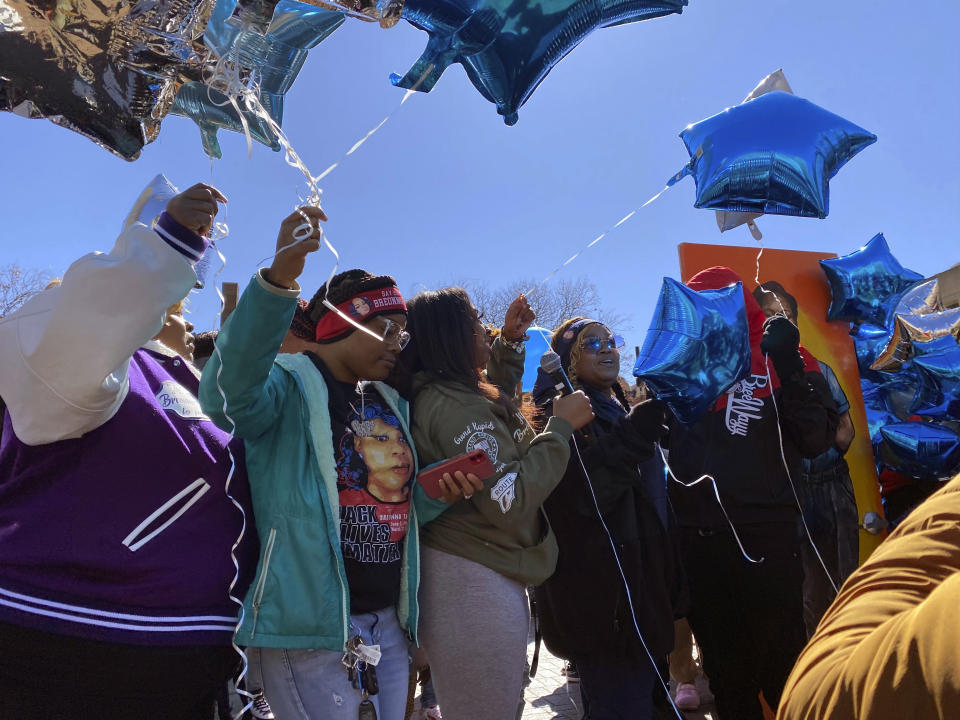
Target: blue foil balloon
(774,154)
(869,341)
(921,449)
(867,285)
(272,54)
(877,419)
(939,383)
(537,345)
(507,47)
(697,347)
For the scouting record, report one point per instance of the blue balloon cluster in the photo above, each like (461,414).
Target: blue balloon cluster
(507,47)
(697,347)
(774,154)
(269,54)
(909,358)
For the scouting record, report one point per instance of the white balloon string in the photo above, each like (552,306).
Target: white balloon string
(218,232)
(776,410)
(716,494)
(756,277)
(623,577)
(593,242)
(356,146)
(226,78)
(793,487)
(243,692)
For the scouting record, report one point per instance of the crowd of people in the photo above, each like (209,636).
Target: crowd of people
(166,501)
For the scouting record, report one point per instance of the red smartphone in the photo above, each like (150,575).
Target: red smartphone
(475,462)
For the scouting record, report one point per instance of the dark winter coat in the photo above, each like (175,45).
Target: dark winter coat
(583,606)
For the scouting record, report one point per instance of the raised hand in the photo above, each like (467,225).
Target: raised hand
(519,318)
(293,246)
(196,207)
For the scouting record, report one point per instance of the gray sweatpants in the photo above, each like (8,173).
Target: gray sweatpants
(473,626)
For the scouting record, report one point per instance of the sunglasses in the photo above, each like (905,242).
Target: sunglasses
(596,344)
(394,333)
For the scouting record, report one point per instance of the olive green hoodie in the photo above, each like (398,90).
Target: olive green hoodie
(503,526)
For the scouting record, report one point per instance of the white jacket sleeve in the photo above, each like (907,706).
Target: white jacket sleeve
(64,355)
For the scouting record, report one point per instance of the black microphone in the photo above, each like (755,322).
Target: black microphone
(550,364)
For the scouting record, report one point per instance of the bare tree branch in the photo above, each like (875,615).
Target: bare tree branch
(553,304)
(17,286)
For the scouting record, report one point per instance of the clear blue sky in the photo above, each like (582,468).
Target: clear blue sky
(446,191)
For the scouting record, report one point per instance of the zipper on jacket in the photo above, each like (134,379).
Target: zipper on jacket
(262,581)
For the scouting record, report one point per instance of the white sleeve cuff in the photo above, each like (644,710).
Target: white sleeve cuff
(293,292)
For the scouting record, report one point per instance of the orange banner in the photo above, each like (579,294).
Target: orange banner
(800,274)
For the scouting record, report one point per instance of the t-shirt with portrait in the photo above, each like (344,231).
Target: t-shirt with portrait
(374,474)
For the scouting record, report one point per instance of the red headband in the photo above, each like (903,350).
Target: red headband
(361,307)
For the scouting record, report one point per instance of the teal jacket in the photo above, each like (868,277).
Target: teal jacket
(278,405)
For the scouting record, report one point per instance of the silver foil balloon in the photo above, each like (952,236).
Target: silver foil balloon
(108,70)
(697,347)
(921,299)
(910,332)
(774,154)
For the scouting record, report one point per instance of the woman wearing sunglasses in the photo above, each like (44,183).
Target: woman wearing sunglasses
(479,556)
(584,607)
(331,462)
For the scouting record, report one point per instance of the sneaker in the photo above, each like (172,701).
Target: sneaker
(430,713)
(260,710)
(687,697)
(569,671)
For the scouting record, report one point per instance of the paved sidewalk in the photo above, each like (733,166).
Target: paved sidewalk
(550,697)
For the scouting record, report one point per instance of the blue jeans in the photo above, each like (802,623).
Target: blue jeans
(313,684)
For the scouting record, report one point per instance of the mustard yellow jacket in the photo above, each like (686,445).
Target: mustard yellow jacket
(889,646)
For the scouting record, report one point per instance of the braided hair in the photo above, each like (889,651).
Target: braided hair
(342,287)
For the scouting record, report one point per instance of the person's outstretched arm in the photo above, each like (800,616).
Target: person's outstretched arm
(239,389)
(64,355)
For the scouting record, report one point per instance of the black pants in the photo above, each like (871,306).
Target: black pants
(747,618)
(615,688)
(55,677)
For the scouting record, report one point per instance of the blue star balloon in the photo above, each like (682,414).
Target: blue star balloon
(867,285)
(507,47)
(537,345)
(774,154)
(876,420)
(271,54)
(869,342)
(697,347)
(921,449)
(939,373)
